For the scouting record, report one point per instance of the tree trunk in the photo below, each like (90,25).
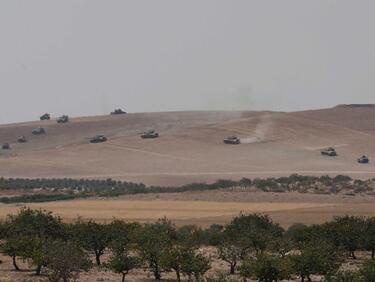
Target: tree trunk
(372,254)
(308,278)
(38,270)
(178,275)
(157,275)
(97,258)
(353,255)
(232,268)
(123,277)
(14,259)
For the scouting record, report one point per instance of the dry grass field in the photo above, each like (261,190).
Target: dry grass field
(180,211)
(206,208)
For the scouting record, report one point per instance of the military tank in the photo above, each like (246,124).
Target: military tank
(38,131)
(21,139)
(330,152)
(46,116)
(363,160)
(234,140)
(63,119)
(98,139)
(118,112)
(5,146)
(150,134)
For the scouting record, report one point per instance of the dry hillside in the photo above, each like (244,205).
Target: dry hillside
(191,149)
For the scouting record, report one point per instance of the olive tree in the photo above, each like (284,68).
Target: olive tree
(65,261)
(318,257)
(154,242)
(265,268)
(29,233)
(92,236)
(252,232)
(123,256)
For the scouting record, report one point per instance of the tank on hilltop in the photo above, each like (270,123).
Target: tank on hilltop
(118,112)
(330,152)
(46,116)
(5,146)
(38,131)
(98,139)
(356,106)
(150,134)
(234,140)
(363,160)
(63,119)
(21,139)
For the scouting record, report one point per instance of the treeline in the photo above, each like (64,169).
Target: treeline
(253,246)
(67,188)
(89,185)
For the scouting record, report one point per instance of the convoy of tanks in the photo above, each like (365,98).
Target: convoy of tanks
(234,140)
(38,131)
(330,152)
(63,119)
(151,133)
(45,117)
(118,112)
(5,146)
(21,139)
(363,160)
(98,139)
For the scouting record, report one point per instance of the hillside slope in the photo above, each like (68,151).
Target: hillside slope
(190,148)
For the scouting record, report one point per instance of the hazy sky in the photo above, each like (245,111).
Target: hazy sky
(88,57)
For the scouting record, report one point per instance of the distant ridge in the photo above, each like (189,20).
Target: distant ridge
(356,106)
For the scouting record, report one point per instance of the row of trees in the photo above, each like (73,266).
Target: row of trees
(253,246)
(67,188)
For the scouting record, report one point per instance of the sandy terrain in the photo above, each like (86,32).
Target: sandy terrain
(190,148)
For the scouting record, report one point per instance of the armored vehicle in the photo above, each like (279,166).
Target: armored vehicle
(363,160)
(118,112)
(5,146)
(21,139)
(45,117)
(98,139)
(63,119)
(150,134)
(331,152)
(232,140)
(38,131)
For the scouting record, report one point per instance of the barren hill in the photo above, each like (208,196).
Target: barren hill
(191,148)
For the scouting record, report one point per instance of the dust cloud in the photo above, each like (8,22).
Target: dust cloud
(262,129)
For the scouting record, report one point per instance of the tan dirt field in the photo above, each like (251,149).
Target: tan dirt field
(190,147)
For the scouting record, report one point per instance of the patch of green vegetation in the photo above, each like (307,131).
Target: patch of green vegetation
(251,245)
(67,188)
